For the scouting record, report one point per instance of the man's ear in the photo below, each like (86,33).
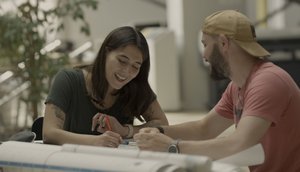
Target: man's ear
(223,41)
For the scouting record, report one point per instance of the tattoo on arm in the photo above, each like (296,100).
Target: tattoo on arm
(60,115)
(148,114)
(149,117)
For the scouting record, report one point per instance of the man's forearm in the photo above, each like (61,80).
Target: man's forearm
(214,148)
(187,131)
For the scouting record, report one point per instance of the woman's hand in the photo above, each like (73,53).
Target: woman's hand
(152,140)
(108,139)
(102,122)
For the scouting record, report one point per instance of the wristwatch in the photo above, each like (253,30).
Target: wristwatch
(173,147)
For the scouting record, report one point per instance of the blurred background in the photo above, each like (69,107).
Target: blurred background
(38,37)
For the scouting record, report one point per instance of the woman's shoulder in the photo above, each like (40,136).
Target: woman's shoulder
(71,72)
(69,75)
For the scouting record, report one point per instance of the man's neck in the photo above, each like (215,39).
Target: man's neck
(241,70)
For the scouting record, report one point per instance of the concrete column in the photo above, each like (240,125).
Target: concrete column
(184,17)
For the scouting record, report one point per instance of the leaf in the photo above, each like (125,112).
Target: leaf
(24,34)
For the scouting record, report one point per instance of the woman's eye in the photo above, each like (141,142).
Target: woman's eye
(136,67)
(122,61)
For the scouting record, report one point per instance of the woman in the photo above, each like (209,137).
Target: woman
(96,104)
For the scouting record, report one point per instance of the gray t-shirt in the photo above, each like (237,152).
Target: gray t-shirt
(69,93)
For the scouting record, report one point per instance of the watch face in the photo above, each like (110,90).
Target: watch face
(173,149)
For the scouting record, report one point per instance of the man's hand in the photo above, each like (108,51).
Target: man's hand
(151,139)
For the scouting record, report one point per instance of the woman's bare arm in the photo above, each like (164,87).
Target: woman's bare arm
(53,132)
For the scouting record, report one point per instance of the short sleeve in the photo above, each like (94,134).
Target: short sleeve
(267,97)
(225,105)
(61,91)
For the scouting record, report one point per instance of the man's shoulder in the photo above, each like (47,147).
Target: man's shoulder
(270,73)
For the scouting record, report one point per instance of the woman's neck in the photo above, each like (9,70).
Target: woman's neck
(109,98)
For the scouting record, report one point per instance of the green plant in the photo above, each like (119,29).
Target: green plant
(24,33)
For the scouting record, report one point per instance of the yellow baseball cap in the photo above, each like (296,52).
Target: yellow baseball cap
(236,26)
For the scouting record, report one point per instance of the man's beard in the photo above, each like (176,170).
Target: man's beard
(219,66)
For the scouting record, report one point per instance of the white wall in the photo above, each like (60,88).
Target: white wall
(111,14)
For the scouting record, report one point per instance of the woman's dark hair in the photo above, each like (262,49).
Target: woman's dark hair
(136,95)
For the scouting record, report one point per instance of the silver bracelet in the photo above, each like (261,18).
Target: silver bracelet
(130,131)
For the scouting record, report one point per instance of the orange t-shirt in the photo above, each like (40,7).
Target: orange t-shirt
(269,93)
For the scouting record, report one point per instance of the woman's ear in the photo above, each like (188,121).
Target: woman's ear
(107,49)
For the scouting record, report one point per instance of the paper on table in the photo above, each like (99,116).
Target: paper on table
(70,161)
(189,162)
(26,152)
(70,157)
(251,156)
(223,167)
(25,157)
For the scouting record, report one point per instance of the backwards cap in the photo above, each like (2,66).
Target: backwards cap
(237,27)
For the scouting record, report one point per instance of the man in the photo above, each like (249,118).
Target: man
(262,101)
